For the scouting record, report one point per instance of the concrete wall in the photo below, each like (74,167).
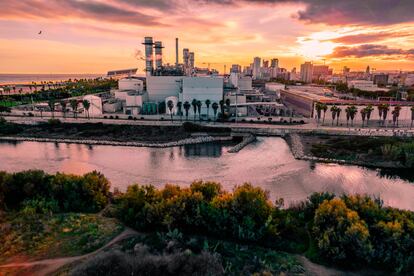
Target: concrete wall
(160,87)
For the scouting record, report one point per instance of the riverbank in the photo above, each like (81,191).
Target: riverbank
(360,151)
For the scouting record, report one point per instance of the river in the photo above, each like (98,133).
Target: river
(267,163)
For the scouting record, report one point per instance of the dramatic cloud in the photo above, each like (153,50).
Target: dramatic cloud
(75,9)
(368,50)
(368,37)
(360,12)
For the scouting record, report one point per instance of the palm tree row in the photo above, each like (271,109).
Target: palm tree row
(196,104)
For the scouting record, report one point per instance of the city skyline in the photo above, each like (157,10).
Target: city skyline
(97,36)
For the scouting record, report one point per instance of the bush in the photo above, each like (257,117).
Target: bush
(130,117)
(54,122)
(36,190)
(116,117)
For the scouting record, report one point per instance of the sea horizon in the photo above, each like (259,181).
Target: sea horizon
(22,78)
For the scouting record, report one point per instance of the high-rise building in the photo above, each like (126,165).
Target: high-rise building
(235,68)
(265,63)
(306,72)
(346,70)
(256,67)
(274,63)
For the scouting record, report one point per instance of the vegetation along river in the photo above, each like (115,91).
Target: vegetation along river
(267,163)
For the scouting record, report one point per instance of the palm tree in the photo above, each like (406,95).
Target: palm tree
(350,114)
(318,107)
(194,104)
(396,114)
(63,105)
(385,109)
(363,115)
(215,106)
(412,116)
(333,113)
(228,105)
(368,111)
(51,104)
(199,104)
(380,108)
(74,104)
(186,106)
(180,111)
(324,109)
(86,105)
(170,106)
(338,114)
(221,103)
(208,102)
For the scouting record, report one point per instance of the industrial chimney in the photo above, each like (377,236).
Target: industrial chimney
(158,54)
(176,52)
(149,56)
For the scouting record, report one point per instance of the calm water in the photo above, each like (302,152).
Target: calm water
(267,163)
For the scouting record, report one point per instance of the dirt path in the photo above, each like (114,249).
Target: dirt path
(48,266)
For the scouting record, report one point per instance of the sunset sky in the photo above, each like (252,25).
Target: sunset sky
(94,36)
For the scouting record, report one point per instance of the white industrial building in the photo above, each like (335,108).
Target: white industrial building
(365,85)
(201,89)
(134,102)
(275,87)
(131,83)
(95,108)
(161,87)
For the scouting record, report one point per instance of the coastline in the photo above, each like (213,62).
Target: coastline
(182,142)
(298,151)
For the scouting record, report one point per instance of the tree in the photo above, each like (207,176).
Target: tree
(385,109)
(324,109)
(368,111)
(180,111)
(186,106)
(412,116)
(318,107)
(396,114)
(338,114)
(228,105)
(341,235)
(51,104)
(350,114)
(194,104)
(86,105)
(221,103)
(333,113)
(208,102)
(170,106)
(63,105)
(74,104)
(215,106)
(380,108)
(363,115)
(199,104)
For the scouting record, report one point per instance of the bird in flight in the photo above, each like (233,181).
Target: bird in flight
(40,32)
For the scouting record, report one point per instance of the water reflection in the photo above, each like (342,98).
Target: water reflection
(267,163)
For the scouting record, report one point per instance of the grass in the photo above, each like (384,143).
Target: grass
(45,236)
(235,258)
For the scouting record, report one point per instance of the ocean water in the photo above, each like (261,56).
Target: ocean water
(29,78)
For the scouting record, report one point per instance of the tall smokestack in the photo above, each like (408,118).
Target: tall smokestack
(176,52)
(149,56)
(158,54)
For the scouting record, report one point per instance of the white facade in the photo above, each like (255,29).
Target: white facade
(134,102)
(245,83)
(95,107)
(256,67)
(131,84)
(365,85)
(161,87)
(306,72)
(274,87)
(201,89)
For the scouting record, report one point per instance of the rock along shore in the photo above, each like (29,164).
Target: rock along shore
(188,141)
